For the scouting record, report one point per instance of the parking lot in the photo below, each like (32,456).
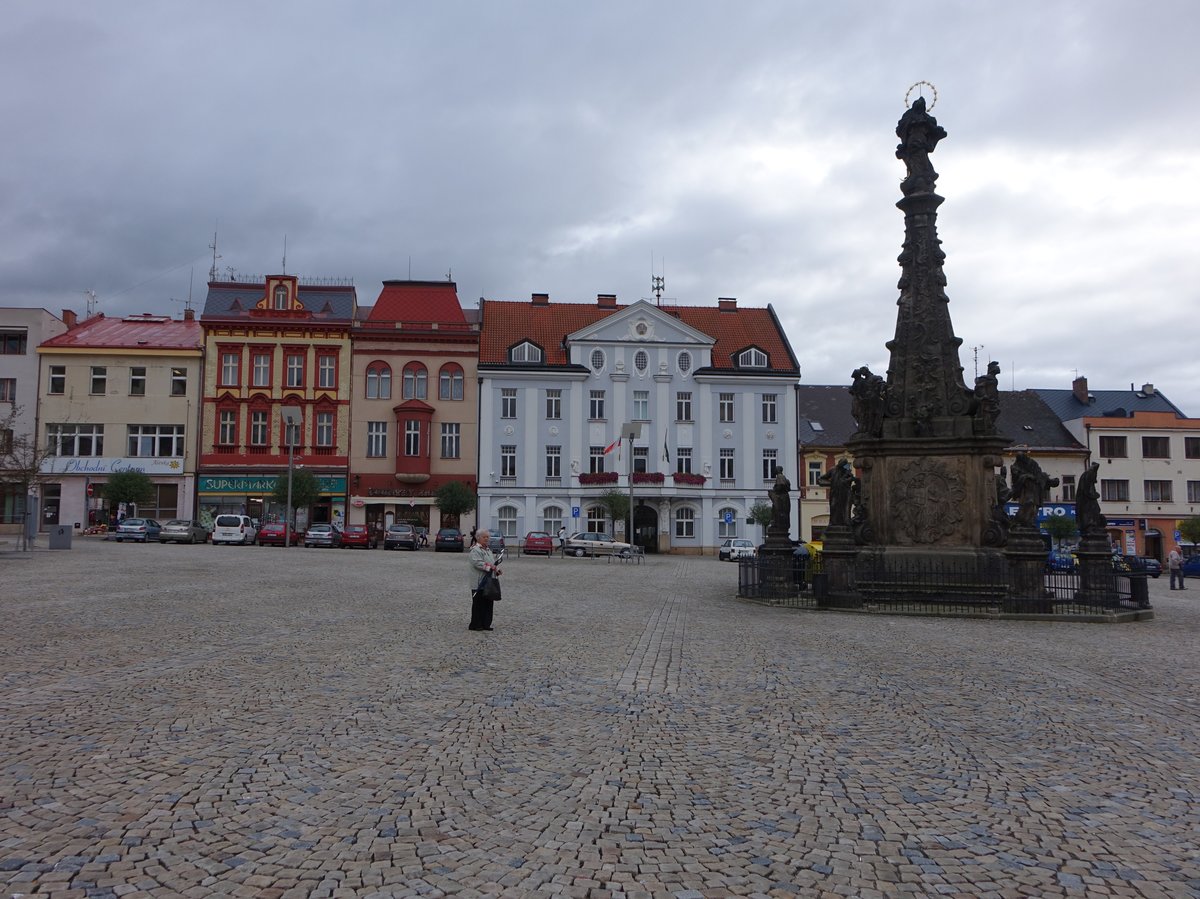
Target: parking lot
(258,721)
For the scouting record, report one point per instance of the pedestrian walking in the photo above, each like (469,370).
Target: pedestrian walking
(483,573)
(1175,566)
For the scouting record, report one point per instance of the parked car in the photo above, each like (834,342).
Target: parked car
(229,528)
(595,543)
(495,542)
(1191,566)
(399,535)
(1061,560)
(360,535)
(538,542)
(323,535)
(276,533)
(448,540)
(138,530)
(736,548)
(1148,564)
(180,530)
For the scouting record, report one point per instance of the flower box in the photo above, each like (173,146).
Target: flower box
(648,477)
(597,477)
(688,479)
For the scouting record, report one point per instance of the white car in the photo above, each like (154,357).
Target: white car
(737,548)
(234,529)
(595,543)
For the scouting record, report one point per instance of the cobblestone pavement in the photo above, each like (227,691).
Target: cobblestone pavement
(203,721)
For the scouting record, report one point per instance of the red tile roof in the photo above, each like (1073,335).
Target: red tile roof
(506,323)
(417,301)
(134,332)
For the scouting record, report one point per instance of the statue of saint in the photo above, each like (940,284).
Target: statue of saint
(987,398)
(781,504)
(1088,517)
(919,134)
(1030,488)
(840,480)
(866,401)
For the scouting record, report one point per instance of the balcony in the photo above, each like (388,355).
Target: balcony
(687,479)
(596,478)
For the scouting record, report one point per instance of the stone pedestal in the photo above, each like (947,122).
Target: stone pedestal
(837,566)
(1026,554)
(1097,582)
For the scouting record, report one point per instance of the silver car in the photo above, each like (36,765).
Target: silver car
(595,543)
(139,530)
(180,530)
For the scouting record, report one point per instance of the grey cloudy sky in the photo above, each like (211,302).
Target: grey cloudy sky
(747,148)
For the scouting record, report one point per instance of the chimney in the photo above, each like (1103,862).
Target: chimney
(1148,389)
(189,315)
(1079,388)
(727,304)
(70,319)
(606,300)
(541,299)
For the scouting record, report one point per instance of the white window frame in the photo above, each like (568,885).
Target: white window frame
(451,440)
(377,432)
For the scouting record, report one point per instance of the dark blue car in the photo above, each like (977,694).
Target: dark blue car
(1191,566)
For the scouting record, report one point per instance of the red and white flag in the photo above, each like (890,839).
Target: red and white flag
(612,446)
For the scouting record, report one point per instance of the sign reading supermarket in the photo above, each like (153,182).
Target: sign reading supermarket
(259,485)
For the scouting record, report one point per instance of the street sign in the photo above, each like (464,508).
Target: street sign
(728,518)
(574,511)
(1178,537)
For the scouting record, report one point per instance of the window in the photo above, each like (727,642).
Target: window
(164,504)
(752,358)
(178,382)
(1114,491)
(258,428)
(1113,447)
(725,407)
(227,428)
(770,459)
(412,437)
(596,404)
(281,299)
(525,352)
(379,381)
(292,432)
(1193,489)
(416,382)
(451,440)
(683,460)
(1157,491)
(685,522)
(641,361)
(506,518)
(1156,448)
(685,362)
(12,504)
(58,380)
(6,444)
(230,365)
(1191,447)
(768,407)
(377,439)
(450,383)
(554,462)
(260,369)
(727,529)
(13,342)
(295,369)
(726,469)
(99,380)
(641,458)
(75,440)
(327,372)
(595,459)
(597,519)
(324,429)
(641,405)
(8,390)
(155,440)
(815,470)
(683,406)
(1068,488)
(553,404)
(552,519)
(597,360)
(137,380)
(508,461)
(508,402)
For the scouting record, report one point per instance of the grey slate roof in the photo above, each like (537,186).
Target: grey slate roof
(232,300)
(1029,423)
(824,415)
(1117,403)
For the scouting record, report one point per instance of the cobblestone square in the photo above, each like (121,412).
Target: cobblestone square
(226,721)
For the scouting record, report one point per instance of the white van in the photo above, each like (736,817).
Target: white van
(233,529)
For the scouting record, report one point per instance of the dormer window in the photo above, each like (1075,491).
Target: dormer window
(281,296)
(525,352)
(752,358)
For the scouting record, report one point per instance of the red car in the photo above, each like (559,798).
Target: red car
(360,535)
(276,533)
(538,543)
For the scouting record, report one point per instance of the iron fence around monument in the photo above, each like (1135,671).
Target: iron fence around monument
(940,587)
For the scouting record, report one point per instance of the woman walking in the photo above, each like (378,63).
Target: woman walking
(481,568)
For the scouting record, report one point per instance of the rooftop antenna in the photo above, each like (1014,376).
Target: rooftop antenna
(449,274)
(977,349)
(284,271)
(90,302)
(212,272)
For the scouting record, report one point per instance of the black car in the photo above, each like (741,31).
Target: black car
(1148,564)
(400,535)
(448,540)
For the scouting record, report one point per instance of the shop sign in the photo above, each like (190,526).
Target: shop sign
(257,485)
(1050,510)
(1120,522)
(106,465)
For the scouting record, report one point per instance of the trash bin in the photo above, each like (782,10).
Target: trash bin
(1139,589)
(820,582)
(60,537)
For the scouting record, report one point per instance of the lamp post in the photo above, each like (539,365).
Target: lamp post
(291,419)
(631,431)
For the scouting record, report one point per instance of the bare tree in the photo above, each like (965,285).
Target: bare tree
(21,460)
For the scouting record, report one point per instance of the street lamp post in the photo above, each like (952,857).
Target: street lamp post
(291,418)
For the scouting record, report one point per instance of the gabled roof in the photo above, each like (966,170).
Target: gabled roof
(824,415)
(418,301)
(506,323)
(133,332)
(237,299)
(1116,403)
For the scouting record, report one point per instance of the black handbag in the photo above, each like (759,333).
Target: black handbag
(489,588)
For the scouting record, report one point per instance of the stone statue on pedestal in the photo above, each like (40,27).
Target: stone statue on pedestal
(1030,488)
(1088,517)
(781,503)
(840,480)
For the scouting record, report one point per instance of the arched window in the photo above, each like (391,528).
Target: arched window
(450,382)
(552,520)
(685,522)
(415,381)
(752,358)
(379,381)
(506,520)
(281,299)
(727,528)
(525,351)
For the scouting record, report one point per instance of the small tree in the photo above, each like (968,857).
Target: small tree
(306,490)
(616,503)
(129,487)
(21,460)
(1189,529)
(454,499)
(761,514)
(1060,528)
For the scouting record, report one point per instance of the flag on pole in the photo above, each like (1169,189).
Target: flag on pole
(612,446)
(666,452)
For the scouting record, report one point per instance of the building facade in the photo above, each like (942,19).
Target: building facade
(688,409)
(415,399)
(119,394)
(274,344)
